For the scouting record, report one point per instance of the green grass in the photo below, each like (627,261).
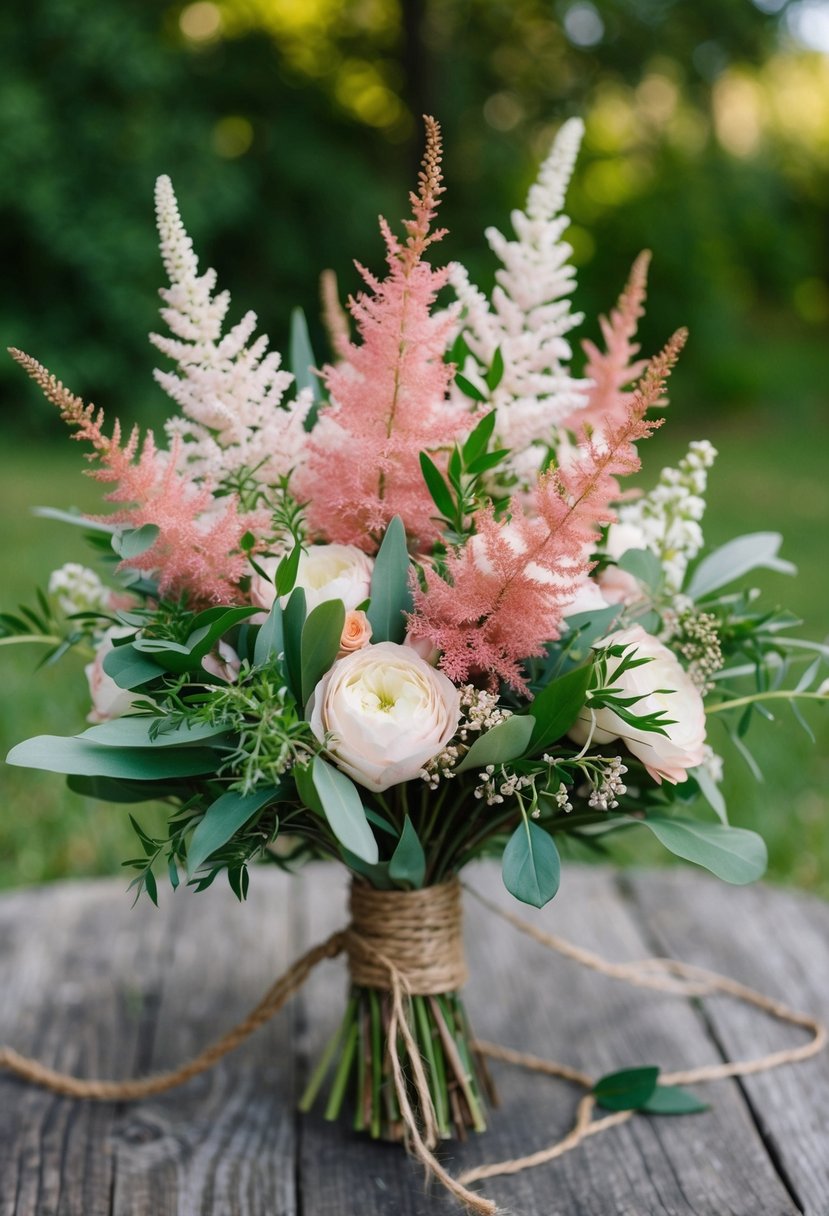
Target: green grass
(770,475)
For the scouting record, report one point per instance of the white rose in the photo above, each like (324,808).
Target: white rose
(325,572)
(619,586)
(108,700)
(387,712)
(666,756)
(588,598)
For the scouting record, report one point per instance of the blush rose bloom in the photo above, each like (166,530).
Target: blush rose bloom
(666,756)
(325,572)
(356,632)
(386,713)
(108,700)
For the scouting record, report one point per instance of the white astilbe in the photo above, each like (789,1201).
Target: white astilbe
(230,393)
(667,520)
(528,318)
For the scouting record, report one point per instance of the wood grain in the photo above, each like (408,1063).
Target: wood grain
(89,985)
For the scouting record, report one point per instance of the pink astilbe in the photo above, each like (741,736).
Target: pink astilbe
(197,552)
(616,369)
(507,587)
(388,392)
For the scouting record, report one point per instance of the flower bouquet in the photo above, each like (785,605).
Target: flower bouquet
(401,613)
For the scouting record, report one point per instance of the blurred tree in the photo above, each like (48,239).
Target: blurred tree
(287,127)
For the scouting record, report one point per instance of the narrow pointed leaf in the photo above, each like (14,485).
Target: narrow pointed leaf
(408,861)
(391,596)
(343,808)
(320,641)
(222,819)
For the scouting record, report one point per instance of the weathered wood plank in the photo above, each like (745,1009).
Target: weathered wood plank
(95,987)
(78,969)
(708,1165)
(225,1142)
(778,942)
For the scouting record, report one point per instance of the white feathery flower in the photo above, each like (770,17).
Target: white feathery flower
(79,589)
(666,520)
(528,318)
(230,390)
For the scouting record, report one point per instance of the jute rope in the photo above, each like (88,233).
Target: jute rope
(410,942)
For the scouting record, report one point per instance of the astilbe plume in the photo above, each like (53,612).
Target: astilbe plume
(197,553)
(388,392)
(506,588)
(613,371)
(231,391)
(529,317)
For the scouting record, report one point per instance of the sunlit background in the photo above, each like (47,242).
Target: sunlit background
(287,125)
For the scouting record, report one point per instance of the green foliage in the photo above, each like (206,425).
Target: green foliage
(733,854)
(628,1089)
(391,595)
(503,742)
(531,866)
(222,820)
(407,866)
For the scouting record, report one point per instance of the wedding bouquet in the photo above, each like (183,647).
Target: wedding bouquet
(402,613)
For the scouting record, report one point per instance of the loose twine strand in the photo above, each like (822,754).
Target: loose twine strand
(408,942)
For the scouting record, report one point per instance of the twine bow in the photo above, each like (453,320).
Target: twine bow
(382,956)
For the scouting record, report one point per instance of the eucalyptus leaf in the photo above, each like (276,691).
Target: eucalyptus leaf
(270,642)
(531,866)
(129,669)
(628,1089)
(139,732)
(56,754)
(673,1100)
(733,854)
(408,861)
(504,742)
(738,557)
(222,819)
(75,518)
(710,791)
(110,789)
(645,567)
(132,542)
(293,619)
(319,643)
(391,595)
(556,707)
(343,808)
(301,357)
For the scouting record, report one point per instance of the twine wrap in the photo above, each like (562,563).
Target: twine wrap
(415,934)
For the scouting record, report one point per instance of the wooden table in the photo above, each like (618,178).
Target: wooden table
(93,987)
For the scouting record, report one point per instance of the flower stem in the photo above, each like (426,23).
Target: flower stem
(780,694)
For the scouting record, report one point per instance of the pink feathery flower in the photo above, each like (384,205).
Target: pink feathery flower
(388,393)
(506,589)
(197,553)
(615,370)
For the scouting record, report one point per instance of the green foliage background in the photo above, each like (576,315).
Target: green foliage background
(287,128)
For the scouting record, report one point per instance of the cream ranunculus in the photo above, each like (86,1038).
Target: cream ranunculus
(325,572)
(385,713)
(666,756)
